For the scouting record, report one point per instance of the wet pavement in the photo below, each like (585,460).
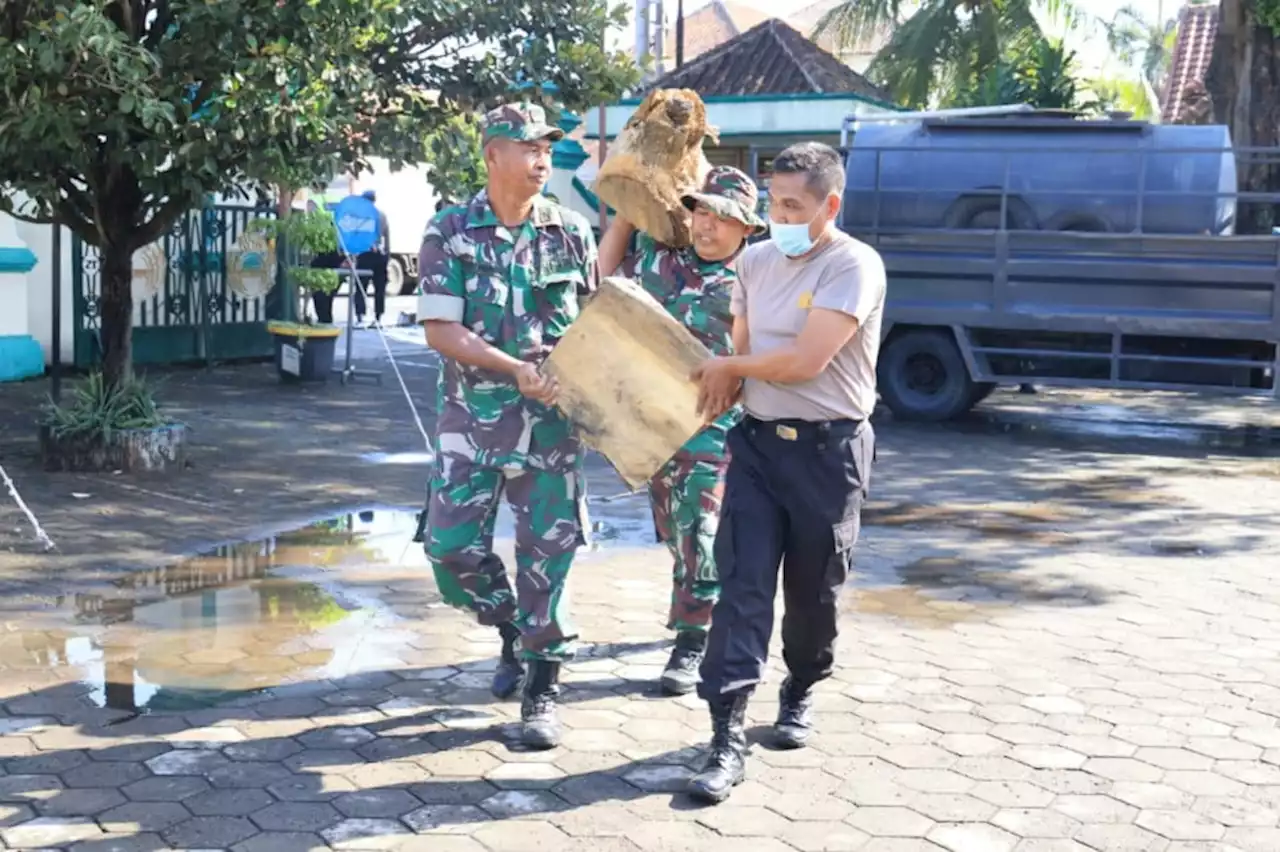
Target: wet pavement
(1060,637)
(1090,667)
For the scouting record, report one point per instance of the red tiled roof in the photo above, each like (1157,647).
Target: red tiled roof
(1192,51)
(709,27)
(769,59)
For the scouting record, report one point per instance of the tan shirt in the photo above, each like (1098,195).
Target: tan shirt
(775,292)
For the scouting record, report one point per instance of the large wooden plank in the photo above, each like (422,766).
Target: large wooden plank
(623,369)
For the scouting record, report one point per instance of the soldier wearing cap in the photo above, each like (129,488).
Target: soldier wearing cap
(501,279)
(695,284)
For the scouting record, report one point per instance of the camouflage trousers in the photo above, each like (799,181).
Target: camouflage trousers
(685,496)
(551,523)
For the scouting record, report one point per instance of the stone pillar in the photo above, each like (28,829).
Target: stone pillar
(20,355)
(567,156)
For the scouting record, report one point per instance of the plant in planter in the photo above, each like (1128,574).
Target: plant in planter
(110,427)
(304,350)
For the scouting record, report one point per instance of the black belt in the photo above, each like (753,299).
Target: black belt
(802,430)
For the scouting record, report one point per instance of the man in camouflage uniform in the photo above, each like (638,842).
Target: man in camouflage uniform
(695,285)
(501,280)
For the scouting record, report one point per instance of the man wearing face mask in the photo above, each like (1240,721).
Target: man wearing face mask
(806,333)
(695,285)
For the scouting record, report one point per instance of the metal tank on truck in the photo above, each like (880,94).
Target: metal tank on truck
(1053,173)
(1038,246)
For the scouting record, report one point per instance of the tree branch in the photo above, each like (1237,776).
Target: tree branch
(159,25)
(161,221)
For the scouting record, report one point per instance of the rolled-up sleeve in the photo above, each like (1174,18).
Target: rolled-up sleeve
(441,289)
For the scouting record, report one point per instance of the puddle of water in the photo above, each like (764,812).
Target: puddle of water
(1181,547)
(1110,490)
(918,608)
(420,458)
(330,599)
(235,620)
(1109,425)
(1022,521)
(941,591)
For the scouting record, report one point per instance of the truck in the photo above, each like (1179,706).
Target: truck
(1039,247)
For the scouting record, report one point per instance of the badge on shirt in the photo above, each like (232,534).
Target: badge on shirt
(805,301)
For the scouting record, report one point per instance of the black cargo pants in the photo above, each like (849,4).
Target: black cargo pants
(793,499)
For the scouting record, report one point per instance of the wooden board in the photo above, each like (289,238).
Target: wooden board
(623,369)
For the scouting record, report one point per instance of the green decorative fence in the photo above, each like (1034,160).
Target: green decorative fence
(202,293)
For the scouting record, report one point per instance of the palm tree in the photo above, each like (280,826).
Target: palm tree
(1142,44)
(1037,71)
(937,49)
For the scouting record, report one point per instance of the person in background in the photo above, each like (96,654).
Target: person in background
(501,279)
(695,285)
(375,260)
(806,330)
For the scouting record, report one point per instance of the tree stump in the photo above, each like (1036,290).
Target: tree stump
(655,161)
(623,369)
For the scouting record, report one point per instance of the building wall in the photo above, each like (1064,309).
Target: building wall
(785,115)
(24,284)
(39,306)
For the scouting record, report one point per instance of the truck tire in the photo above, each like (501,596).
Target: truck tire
(983,212)
(922,377)
(397,281)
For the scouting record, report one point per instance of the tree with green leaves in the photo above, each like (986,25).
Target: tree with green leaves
(122,115)
(457,162)
(937,49)
(1141,43)
(1034,70)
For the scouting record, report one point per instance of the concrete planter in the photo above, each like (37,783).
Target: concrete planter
(129,450)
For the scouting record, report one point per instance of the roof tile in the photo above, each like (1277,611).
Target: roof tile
(1192,52)
(771,58)
(711,26)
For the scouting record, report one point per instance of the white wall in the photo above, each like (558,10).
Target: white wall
(39,301)
(734,118)
(13,286)
(561,186)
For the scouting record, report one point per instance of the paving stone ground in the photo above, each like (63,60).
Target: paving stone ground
(1047,649)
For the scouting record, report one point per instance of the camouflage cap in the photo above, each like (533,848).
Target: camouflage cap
(523,122)
(730,193)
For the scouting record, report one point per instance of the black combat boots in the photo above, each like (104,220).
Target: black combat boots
(681,674)
(795,715)
(540,728)
(726,765)
(510,672)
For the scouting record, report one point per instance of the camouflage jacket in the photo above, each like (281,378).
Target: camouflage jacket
(697,293)
(519,291)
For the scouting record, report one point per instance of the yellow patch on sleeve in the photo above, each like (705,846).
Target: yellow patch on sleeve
(806,301)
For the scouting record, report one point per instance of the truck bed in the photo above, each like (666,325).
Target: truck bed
(1216,287)
(1094,309)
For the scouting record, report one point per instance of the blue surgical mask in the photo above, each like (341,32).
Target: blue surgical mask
(791,240)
